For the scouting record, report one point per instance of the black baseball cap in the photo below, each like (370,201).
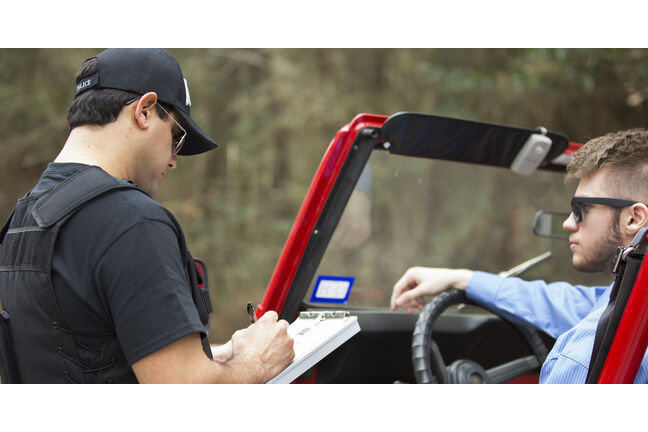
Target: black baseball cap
(143,70)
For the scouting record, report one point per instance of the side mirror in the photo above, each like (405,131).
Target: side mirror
(549,224)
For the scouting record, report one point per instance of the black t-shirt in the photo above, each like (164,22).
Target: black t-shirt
(117,271)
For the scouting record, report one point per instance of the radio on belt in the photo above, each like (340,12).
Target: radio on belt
(532,153)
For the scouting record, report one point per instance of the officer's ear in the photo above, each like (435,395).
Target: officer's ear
(635,219)
(143,109)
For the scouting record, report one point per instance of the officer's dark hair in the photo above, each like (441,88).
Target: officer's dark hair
(98,107)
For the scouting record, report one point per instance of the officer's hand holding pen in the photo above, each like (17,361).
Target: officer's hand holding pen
(264,342)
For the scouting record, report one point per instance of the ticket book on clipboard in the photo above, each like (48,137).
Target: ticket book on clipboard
(316,334)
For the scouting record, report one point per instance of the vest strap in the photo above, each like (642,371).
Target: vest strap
(5,228)
(74,192)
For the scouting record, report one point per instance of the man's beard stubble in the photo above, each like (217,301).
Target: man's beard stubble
(604,249)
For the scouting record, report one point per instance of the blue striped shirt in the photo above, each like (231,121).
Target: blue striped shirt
(569,313)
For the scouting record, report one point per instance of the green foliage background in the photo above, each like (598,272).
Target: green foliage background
(274,111)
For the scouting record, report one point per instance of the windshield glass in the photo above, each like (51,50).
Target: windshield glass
(424,212)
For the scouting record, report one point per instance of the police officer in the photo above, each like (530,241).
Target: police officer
(96,282)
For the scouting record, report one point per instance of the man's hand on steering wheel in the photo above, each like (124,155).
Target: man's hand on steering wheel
(427,360)
(417,282)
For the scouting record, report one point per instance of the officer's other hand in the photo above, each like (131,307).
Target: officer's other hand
(223,353)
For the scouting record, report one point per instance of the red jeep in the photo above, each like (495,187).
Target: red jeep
(416,189)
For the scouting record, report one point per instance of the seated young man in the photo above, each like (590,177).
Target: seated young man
(614,166)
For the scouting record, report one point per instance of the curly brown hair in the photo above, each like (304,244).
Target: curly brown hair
(624,154)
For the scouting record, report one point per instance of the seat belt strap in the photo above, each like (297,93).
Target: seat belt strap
(625,265)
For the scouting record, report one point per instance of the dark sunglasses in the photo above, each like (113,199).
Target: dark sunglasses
(577,204)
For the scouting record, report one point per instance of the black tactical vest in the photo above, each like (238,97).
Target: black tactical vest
(35,336)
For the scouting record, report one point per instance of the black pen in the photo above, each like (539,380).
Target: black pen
(251,313)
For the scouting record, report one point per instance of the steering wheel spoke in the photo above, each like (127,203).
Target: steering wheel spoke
(511,370)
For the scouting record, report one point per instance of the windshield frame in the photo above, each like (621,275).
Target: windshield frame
(327,198)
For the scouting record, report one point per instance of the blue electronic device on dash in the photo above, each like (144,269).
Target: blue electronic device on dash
(332,289)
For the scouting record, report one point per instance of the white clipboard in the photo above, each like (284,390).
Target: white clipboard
(316,335)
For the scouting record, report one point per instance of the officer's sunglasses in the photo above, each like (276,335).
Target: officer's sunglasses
(578,203)
(177,139)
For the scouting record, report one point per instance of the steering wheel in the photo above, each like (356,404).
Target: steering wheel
(428,363)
